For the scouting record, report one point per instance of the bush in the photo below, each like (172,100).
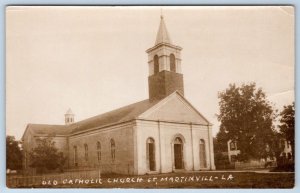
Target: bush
(222,162)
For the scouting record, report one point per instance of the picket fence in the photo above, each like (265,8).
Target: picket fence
(48,180)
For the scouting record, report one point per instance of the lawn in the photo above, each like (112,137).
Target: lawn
(183,180)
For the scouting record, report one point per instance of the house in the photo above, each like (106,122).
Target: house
(233,150)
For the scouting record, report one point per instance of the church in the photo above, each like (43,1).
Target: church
(161,134)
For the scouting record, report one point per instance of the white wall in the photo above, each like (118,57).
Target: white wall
(165,133)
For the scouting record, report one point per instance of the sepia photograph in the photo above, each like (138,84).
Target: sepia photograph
(150,96)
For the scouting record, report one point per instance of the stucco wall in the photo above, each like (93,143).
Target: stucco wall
(165,133)
(200,132)
(174,109)
(123,162)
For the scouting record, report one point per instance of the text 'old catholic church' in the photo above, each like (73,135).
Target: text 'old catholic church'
(162,134)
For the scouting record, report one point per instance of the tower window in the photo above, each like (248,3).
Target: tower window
(172,63)
(156,64)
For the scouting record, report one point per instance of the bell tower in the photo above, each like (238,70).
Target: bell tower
(164,60)
(69,117)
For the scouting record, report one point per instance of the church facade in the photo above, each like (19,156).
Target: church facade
(161,134)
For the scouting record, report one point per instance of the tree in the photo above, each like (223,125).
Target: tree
(246,117)
(287,124)
(13,153)
(45,156)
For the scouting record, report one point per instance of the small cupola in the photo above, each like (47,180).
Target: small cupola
(69,117)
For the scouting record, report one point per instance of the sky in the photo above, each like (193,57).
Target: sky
(93,59)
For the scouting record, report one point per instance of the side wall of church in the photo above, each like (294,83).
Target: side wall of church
(164,135)
(117,159)
(62,144)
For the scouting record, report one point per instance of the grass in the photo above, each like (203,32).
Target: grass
(188,180)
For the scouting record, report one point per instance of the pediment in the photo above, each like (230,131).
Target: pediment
(174,108)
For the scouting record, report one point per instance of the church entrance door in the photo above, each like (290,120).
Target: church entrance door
(178,154)
(151,154)
(151,157)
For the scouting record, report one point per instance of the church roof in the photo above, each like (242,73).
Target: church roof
(162,34)
(44,129)
(120,115)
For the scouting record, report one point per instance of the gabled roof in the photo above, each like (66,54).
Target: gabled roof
(123,114)
(200,119)
(162,34)
(120,115)
(44,129)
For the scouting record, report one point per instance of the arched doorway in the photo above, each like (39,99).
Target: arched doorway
(178,153)
(202,154)
(151,154)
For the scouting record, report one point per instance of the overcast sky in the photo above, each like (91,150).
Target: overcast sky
(93,59)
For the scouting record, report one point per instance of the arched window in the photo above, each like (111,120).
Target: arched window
(98,151)
(156,64)
(113,149)
(75,156)
(172,63)
(202,154)
(150,153)
(86,152)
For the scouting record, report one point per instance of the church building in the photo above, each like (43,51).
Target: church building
(161,134)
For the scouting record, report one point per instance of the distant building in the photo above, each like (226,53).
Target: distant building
(162,134)
(287,149)
(233,150)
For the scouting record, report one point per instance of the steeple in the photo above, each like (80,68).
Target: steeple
(164,60)
(162,34)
